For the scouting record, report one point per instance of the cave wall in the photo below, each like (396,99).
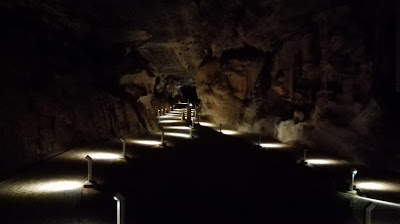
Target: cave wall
(59,88)
(311,81)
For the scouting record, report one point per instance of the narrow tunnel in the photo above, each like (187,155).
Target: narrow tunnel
(200,111)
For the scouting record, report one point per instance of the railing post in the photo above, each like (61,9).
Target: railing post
(90,182)
(188,113)
(120,208)
(162,136)
(368,211)
(123,147)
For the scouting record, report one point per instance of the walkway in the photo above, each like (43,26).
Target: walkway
(211,177)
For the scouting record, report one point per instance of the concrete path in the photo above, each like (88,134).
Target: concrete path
(199,176)
(380,187)
(50,192)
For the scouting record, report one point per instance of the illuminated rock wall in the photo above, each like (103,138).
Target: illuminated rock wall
(310,81)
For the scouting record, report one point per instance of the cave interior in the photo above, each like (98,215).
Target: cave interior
(264,109)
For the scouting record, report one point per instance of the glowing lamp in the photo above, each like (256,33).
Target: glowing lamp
(123,147)
(353,174)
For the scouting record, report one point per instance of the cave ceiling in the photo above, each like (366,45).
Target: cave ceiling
(175,36)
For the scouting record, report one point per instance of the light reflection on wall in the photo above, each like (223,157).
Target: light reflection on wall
(207,124)
(179,135)
(103,155)
(171,117)
(144,142)
(177,127)
(325,161)
(47,186)
(229,132)
(170,121)
(57,186)
(274,145)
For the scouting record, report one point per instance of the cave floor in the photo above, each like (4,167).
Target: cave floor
(211,178)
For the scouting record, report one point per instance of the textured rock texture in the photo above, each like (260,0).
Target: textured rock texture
(59,90)
(40,123)
(299,73)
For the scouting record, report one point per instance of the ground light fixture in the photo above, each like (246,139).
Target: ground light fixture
(162,136)
(304,156)
(120,208)
(123,147)
(90,182)
(353,174)
(189,114)
(198,118)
